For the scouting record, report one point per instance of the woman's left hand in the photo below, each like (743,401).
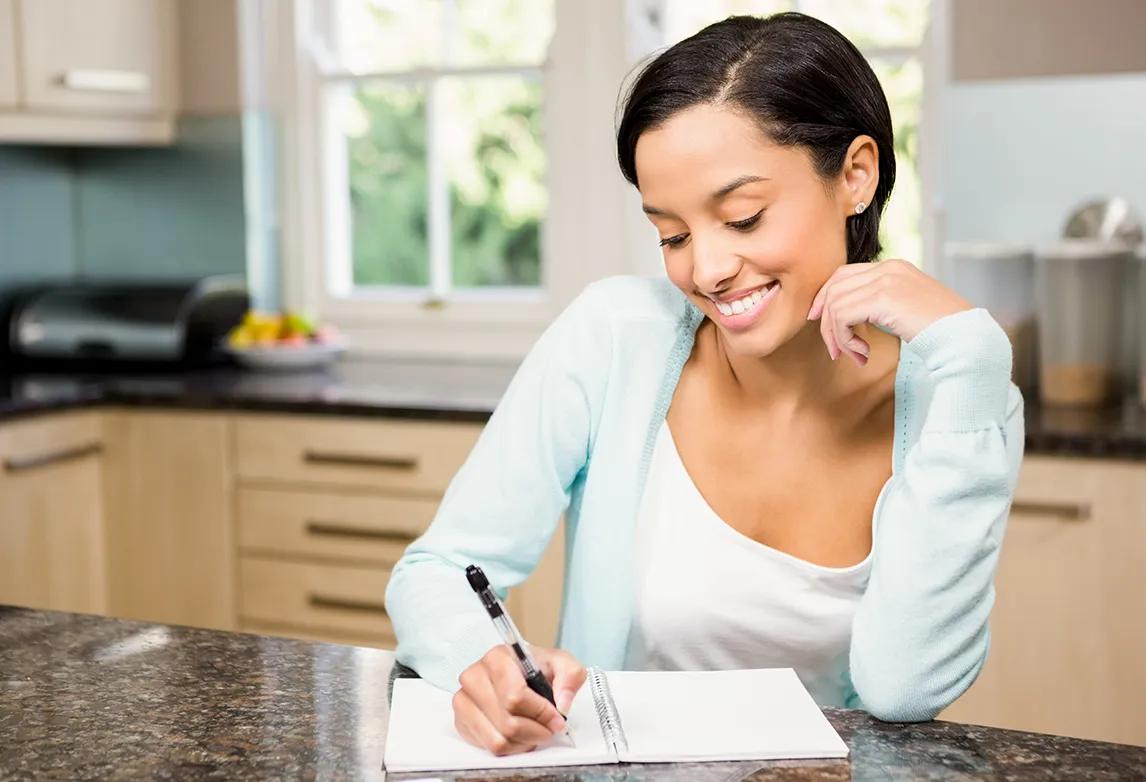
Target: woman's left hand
(892,294)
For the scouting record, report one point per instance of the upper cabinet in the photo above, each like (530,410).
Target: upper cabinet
(7,53)
(88,71)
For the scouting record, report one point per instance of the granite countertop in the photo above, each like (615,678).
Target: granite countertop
(86,697)
(456,392)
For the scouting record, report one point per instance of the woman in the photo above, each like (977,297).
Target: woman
(783,455)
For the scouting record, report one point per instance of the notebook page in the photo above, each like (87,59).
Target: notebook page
(763,714)
(421,735)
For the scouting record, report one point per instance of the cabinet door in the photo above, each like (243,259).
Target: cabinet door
(170,541)
(8,96)
(51,514)
(1068,630)
(98,56)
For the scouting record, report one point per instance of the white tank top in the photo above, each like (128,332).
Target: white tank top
(711,598)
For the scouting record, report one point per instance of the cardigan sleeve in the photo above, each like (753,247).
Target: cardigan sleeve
(920,634)
(503,506)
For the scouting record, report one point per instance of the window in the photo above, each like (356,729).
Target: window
(890,35)
(432,146)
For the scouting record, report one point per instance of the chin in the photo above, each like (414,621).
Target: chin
(758,342)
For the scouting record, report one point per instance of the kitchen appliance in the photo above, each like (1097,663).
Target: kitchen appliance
(1001,278)
(156,323)
(1079,284)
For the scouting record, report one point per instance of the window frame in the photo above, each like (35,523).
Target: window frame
(592,53)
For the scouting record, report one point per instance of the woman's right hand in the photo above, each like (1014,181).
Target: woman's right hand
(496,710)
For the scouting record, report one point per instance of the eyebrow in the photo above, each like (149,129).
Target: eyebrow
(740,181)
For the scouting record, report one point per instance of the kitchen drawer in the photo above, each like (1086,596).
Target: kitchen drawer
(338,598)
(371,528)
(323,636)
(405,456)
(37,443)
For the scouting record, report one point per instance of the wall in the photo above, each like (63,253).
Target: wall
(1019,155)
(114,212)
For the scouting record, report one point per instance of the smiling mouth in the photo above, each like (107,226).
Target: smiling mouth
(747,303)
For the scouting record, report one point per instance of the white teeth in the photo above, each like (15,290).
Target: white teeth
(743,304)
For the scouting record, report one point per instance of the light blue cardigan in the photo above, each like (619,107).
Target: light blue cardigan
(575,431)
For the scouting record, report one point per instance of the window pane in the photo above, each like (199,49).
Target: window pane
(682,18)
(385,128)
(869,23)
(866,23)
(900,227)
(496,168)
(394,35)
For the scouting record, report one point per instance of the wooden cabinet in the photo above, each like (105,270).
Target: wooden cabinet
(326,507)
(1068,630)
(8,95)
(169,500)
(88,71)
(51,513)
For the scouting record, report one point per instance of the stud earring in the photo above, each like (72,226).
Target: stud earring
(860,207)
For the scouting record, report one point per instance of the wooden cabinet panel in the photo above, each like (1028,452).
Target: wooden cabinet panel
(416,457)
(8,90)
(336,598)
(1068,630)
(326,525)
(98,56)
(51,513)
(170,542)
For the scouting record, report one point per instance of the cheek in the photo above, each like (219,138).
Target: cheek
(679,269)
(806,245)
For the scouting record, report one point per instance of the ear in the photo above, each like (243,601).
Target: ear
(860,173)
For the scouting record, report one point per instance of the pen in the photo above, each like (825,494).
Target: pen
(534,678)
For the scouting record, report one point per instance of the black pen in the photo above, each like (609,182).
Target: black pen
(534,678)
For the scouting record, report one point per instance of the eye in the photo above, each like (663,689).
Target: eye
(673,241)
(747,223)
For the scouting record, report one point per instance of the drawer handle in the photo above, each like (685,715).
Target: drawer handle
(92,80)
(1072,511)
(361,460)
(336,530)
(47,459)
(316,600)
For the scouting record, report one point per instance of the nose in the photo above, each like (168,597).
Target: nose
(714,265)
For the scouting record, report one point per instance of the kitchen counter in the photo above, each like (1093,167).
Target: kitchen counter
(455,392)
(89,697)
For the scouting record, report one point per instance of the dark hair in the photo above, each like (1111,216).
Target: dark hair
(799,78)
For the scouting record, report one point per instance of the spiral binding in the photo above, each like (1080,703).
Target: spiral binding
(607,710)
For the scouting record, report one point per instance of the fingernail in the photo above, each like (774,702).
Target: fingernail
(564,700)
(556,725)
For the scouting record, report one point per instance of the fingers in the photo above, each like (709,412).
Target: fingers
(566,674)
(472,725)
(495,708)
(847,310)
(839,275)
(835,330)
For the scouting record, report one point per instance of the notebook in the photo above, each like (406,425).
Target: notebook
(632,716)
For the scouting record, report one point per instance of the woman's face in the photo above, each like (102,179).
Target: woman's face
(749,231)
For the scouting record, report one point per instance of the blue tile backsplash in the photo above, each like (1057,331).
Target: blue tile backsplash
(125,213)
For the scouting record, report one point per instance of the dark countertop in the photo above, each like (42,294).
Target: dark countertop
(85,697)
(456,392)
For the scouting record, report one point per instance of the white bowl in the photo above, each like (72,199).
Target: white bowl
(288,358)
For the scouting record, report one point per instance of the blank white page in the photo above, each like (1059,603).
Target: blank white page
(762,714)
(421,735)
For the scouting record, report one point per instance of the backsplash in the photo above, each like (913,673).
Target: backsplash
(1019,155)
(113,212)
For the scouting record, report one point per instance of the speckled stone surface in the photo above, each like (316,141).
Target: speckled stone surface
(453,392)
(85,697)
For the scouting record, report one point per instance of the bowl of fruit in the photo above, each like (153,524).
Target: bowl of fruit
(283,342)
